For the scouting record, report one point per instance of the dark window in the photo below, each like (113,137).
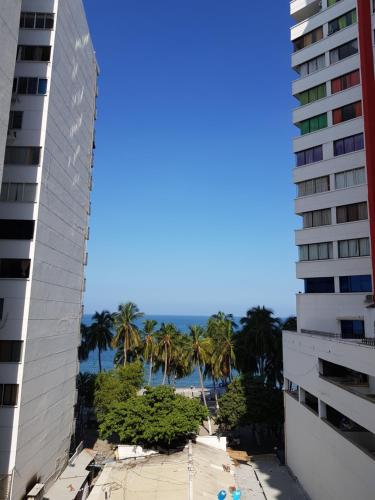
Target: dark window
(18,191)
(352,328)
(348,112)
(37,20)
(310,155)
(344,51)
(10,351)
(342,22)
(14,268)
(312,402)
(1,308)
(308,39)
(34,53)
(30,85)
(348,144)
(8,394)
(345,82)
(15,120)
(16,229)
(317,218)
(319,285)
(351,213)
(15,155)
(354,284)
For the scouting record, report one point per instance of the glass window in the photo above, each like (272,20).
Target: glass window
(12,229)
(351,213)
(42,86)
(15,120)
(13,191)
(313,124)
(311,66)
(352,328)
(14,268)
(320,285)
(308,39)
(313,94)
(17,155)
(310,155)
(313,186)
(344,51)
(316,251)
(36,20)
(10,351)
(348,144)
(345,82)
(34,53)
(342,22)
(317,218)
(8,394)
(348,112)
(354,248)
(355,284)
(350,178)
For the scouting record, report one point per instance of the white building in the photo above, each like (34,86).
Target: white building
(44,206)
(329,363)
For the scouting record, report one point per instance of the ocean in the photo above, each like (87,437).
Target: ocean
(182,323)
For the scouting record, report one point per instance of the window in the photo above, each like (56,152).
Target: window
(311,66)
(313,124)
(317,218)
(16,229)
(15,191)
(320,285)
(342,22)
(1,308)
(332,2)
(348,112)
(351,213)
(353,284)
(37,20)
(316,251)
(352,328)
(14,268)
(348,144)
(313,186)
(345,82)
(16,155)
(10,351)
(30,85)
(350,178)
(34,53)
(359,247)
(310,155)
(312,95)
(308,39)
(312,402)
(344,51)
(15,120)
(8,394)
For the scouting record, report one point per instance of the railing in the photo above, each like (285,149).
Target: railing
(330,335)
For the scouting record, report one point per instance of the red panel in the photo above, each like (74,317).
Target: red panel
(368,92)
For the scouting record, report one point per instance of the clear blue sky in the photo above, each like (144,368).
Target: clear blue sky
(192,208)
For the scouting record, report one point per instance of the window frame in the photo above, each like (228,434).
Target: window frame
(14,394)
(14,348)
(47,15)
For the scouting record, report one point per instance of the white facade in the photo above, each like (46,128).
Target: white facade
(9,27)
(329,362)
(55,90)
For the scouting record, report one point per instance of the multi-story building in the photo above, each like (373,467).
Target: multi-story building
(329,363)
(44,207)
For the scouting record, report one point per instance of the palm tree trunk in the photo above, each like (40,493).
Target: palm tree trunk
(165,367)
(150,375)
(215,393)
(125,349)
(100,359)
(204,399)
(230,371)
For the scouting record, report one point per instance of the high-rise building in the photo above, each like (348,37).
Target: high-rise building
(329,363)
(48,88)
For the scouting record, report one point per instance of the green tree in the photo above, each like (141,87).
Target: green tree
(100,333)
(159,418)
(259,345)
(169,349)
(290,324)
(127,332)
(149,345)
(84,347)
(86,388)
(201,352)
(116,386)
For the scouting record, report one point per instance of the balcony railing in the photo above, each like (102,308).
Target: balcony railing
(330,335)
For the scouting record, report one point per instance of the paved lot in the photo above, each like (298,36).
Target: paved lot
(264,479)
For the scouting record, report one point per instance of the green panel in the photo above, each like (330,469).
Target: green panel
(322,91)
(313,94)
(304,98)
(305,127)
(322,119)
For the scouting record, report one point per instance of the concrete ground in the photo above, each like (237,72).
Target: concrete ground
(263,478)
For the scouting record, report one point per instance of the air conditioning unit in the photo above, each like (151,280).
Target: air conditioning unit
(369,299)
(37,493)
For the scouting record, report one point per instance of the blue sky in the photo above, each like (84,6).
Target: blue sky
(192,208)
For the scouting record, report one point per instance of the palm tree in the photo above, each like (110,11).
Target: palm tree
(220,329)
(166,344)
(149,343)
(84,347)
(127,332)
(200,355)
(101,335)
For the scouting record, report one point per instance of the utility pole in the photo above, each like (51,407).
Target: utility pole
(190,470)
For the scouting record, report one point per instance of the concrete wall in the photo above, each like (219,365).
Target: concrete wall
(9,24)
(328,466)
(53,295)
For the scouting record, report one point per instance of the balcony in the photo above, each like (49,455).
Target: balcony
(329,335)
(303,9)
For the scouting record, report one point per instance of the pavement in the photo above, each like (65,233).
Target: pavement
(263,478)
